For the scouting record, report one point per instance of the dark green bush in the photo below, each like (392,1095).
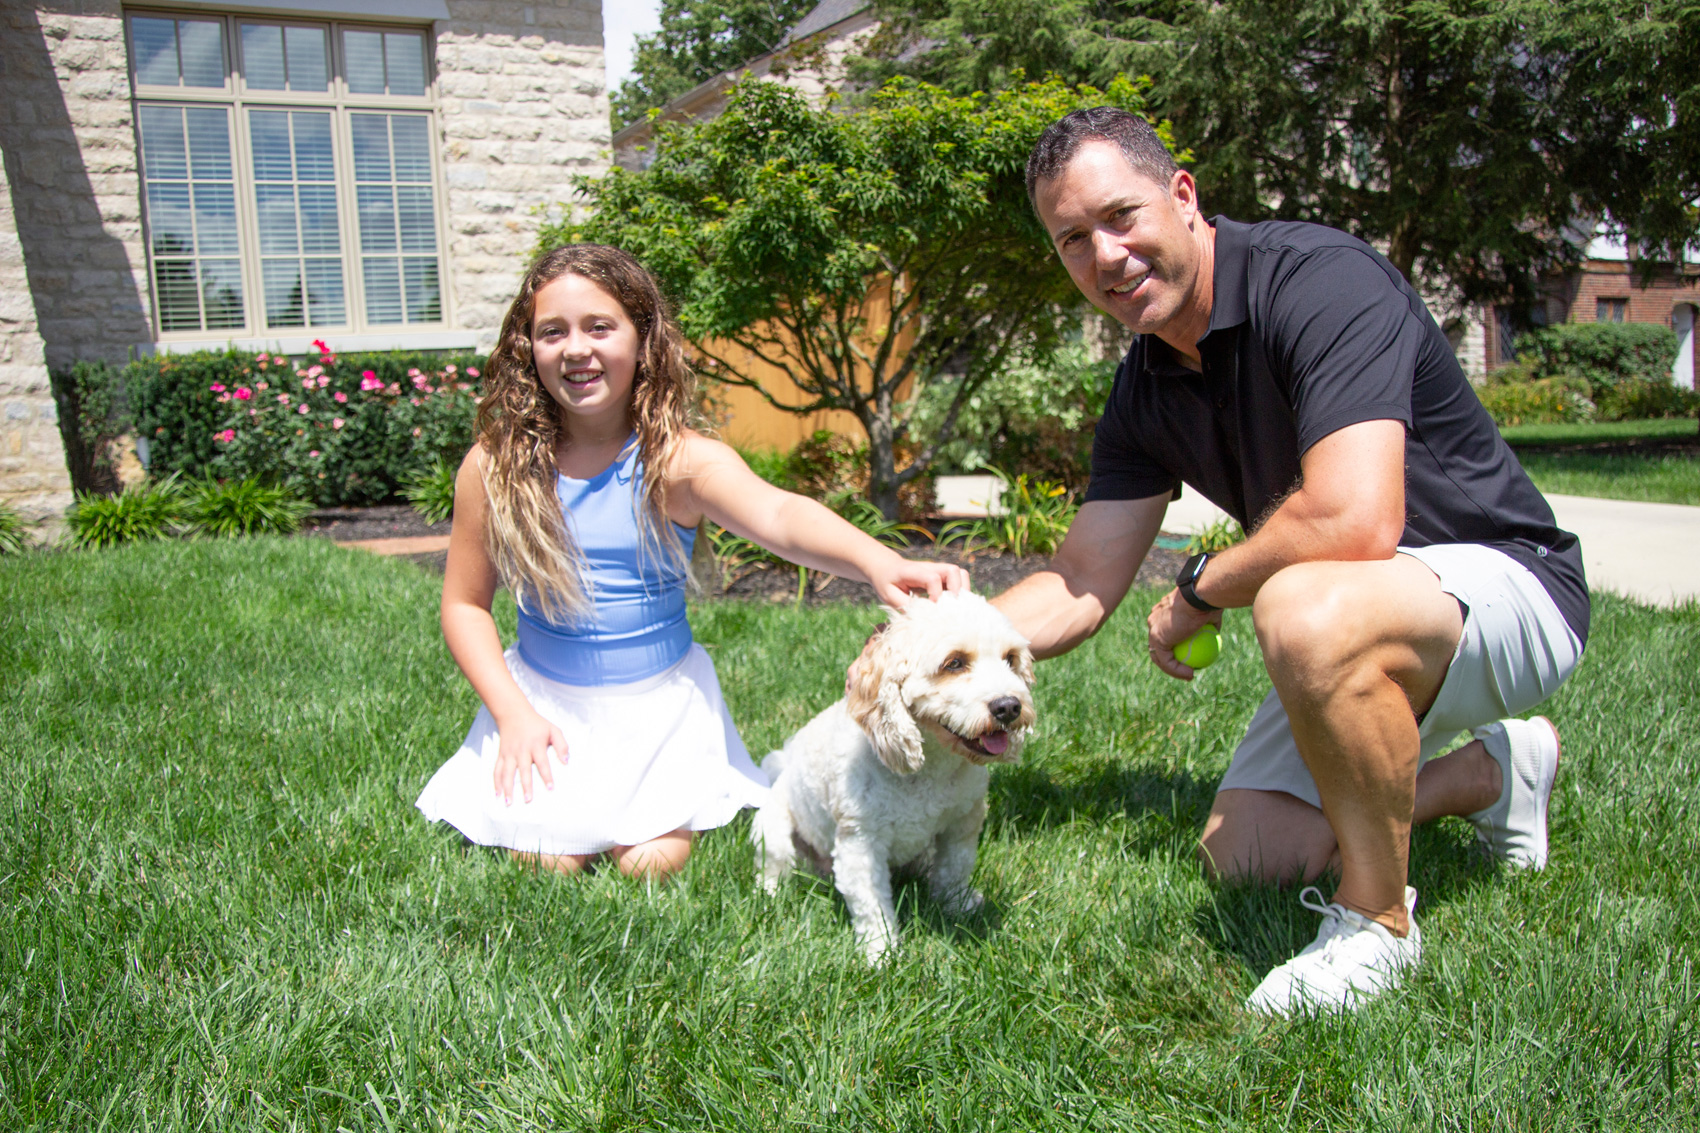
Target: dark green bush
(245,507)
(142,512)
(1516,395)
(337,429)
(432,492)
(1602,354)
(89,398)
(1639,399)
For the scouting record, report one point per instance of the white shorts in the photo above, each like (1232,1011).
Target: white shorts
(1516,649)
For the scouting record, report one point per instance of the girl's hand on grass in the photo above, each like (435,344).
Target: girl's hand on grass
(896,579)
(525,744)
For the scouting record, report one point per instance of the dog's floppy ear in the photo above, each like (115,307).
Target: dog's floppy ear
(1024,665)
(874,700)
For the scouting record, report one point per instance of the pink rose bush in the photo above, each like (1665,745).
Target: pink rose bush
(339,429)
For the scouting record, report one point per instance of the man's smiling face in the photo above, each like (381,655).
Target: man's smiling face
(1127,241)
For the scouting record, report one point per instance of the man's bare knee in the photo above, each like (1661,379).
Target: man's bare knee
(1265,836)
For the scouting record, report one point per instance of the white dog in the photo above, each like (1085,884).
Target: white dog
(894,775)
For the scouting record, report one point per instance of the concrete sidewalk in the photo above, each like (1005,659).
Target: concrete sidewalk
(1649,552)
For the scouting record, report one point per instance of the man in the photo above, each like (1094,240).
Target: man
(1405,579)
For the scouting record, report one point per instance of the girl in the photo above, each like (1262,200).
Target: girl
(582,495)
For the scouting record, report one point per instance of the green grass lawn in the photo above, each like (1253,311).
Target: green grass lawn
(1657,477)
(219,909)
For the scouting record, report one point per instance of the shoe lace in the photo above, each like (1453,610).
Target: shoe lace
(1335,923)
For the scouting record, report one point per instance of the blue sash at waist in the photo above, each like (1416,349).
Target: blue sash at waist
(594,661)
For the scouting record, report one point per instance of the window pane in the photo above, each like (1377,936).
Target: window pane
(262,57)
(284,306)
(405,54)
(383,291)
(202,44)
(318,219)
(371,146)
(221,292)
(209,143)
(325,303)
(377,218)
(154,42)
(363,58)
(275,206)
(165,153)
(307,67)
(215,220)
(268,133)
(412,147)
(179,297)
(171,222)
(415,218)
(423,295)
(313,158)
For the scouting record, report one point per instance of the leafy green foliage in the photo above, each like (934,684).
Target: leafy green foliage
(1578,372)
(89,399)
(432,492)
(244,507)
(1035,517)
(1470,138)
(861,254)
(142,512)
(337,429)
(12,529)
(699,39)
(1218,536)
(1037,417)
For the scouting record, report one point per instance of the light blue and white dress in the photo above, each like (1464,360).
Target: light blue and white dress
(650,744)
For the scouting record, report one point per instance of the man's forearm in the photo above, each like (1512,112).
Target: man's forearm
(1298,532)
(1052,616)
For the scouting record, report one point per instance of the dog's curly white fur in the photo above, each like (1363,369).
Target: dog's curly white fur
(893,777)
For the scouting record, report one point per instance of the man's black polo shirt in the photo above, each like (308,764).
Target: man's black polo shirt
(1312,330)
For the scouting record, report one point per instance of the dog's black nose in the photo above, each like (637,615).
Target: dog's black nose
(1004,709)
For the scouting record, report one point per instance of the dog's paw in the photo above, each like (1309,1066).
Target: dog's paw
(878,945)
(964,901)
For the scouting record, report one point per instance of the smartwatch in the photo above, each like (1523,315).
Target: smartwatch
(1187,579)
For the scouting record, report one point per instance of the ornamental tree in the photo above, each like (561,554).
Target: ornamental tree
(867,255)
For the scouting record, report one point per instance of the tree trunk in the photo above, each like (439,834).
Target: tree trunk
(882,458)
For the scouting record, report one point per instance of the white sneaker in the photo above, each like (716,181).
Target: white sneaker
(1514,829)
(1352,960)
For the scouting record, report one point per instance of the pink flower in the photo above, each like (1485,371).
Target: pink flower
(416,431)
(320,343)
(261,385)
(449,369)
(418,380)
(302,408)
(413,373)
(395,387)
(370,381)
(340,396)
(337,422)
(472,371)
(315,371)
(253,412)
(313,452)
(226,436)
(324,380)
(224,397)
(283,399)
(261,356)
(414,400)
(307,383)
(216,388)
(243,393)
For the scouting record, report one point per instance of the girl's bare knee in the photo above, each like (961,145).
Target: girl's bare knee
(557,863)
(658,857)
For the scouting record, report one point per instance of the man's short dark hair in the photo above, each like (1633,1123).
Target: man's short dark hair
(1129,133)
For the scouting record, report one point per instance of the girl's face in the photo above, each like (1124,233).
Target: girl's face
(585,348)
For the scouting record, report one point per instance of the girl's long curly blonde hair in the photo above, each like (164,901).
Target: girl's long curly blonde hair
(520,429)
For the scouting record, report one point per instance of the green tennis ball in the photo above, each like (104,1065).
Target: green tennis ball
(1199,650)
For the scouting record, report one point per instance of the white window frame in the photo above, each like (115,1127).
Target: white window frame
(356,330)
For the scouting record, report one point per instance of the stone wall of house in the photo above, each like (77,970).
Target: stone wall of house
(524,107)
(33,478)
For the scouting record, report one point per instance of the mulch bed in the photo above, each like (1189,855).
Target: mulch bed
(1648,446)
(992,572)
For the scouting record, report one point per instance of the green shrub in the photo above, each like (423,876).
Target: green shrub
(142,512)
(1219,536)
(1641,399)
(1602,354)
(1513,397)
(12,538)
(1036,516)
(771,465)
(432,492)
(245,507)
(338,429)
(89,398)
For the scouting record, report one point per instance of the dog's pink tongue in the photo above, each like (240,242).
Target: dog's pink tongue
(995,742)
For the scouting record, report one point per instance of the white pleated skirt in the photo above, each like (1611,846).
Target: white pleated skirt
(643,759)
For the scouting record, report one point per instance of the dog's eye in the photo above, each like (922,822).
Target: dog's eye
(1012,659)
(955,663)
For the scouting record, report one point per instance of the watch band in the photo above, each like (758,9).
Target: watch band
(1187,580)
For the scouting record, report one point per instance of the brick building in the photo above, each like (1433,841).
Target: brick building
(190,175)
(1610,288)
